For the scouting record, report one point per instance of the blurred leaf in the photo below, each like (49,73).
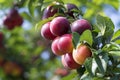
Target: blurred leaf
(60,1)
(106,26)
(94,67)
(116,34)
(86,76)
(75,39)
(42,22)
(88,66)
(26,16)
(87,36)
(71,76)
(116,37)
(99,63)
(81,71)
(31,7)
(115,53)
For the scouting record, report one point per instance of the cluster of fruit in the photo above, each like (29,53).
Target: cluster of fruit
(13,19)
(10,68)
(60,30)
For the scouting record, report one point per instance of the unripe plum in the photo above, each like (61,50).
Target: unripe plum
(46,33)
(81,53)
(49,12)
(68,61)
(65,43)
(59,26)
(80,26)
(54,47)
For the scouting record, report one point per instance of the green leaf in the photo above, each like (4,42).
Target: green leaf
(60,1)
(87,36)
(99,63)
(88,65)
(81,71)
(86,76)
(115,53)
(106,26)
(31,7)
(75,39)
(116,37)
(116,34)
(39,24)
(71,76)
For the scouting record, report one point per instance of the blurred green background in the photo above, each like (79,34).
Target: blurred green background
(24,50)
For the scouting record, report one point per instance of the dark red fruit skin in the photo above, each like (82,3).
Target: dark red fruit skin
(80,26)
(49,12)
(69,61)
(59,26)
(9,23)
(69,7)
(18,21)
(13,19)
(13,12)
(46,33)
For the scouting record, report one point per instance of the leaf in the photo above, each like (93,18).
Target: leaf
(70,76)
(31,7)
(115,53)
(87,36)
(88,65)
(106,26)
(39,24)
(60,1)
(116,37)
(99,63)
(75,39)
(116,34)
(94,66)
(86,76)
(81,71)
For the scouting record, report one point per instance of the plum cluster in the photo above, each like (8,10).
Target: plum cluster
(60,30)
(13,19)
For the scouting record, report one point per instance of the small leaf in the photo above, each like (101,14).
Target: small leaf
(81,70)
(31,7)
(60,1)
(39,24)
(70,76)
(87,36)
(106,27)
(99,63)
(88,65)
(86,76)
(75,39)
(115,53)
(116,34)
